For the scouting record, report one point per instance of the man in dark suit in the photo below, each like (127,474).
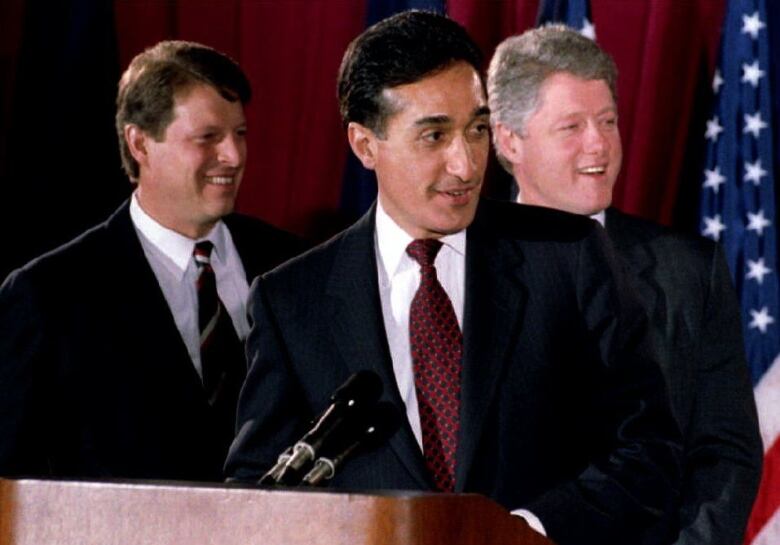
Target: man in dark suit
(120,352)
(546,402)
(552,99)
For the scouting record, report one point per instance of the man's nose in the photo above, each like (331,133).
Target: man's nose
(232,150)
(595,139)
(461,160)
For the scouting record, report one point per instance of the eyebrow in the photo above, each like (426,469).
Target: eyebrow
(479,111)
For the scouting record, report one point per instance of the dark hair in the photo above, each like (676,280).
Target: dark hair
(148,87)
(401,49)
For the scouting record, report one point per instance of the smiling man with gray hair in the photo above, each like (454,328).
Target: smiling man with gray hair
(552,95)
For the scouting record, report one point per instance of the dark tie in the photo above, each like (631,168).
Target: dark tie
(221,352)
(436,345)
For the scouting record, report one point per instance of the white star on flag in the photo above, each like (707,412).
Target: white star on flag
(747,205)
(753,124)
(717,81)
(588,29)
(754,172)
(761,319)
(714,178)
(757,222)
(713,227)
(714,128)
(751,73)
(758,270)
(752,24)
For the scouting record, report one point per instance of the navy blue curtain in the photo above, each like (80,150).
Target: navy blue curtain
(62,170)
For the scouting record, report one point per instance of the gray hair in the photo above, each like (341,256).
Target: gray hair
(521,65)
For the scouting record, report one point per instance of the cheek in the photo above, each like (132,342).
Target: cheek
(617,150)
(481,153)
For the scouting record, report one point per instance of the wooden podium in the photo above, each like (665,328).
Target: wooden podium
(39,512)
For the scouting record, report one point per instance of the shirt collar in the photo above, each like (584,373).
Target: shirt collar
(392,240)
(598,216)
(175,246)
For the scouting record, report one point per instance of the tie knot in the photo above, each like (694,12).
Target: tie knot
(202,252)
(424,251)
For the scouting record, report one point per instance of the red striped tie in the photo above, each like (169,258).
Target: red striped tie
(221,353)
(437,346)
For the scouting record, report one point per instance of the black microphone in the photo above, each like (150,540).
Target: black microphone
(359,392)
(366,433)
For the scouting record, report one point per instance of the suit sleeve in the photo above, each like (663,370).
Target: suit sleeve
(270,413)
(633,476)
(22,351)
(723,445)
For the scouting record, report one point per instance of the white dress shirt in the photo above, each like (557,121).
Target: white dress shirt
(399,278)
(170,257)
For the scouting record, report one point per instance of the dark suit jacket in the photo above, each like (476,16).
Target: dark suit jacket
(95,379)
(561,411)
(685,285)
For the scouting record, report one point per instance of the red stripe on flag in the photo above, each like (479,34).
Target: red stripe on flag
(768,498)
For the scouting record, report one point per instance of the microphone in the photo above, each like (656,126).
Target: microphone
(272,475)
(367,433)
(359,392)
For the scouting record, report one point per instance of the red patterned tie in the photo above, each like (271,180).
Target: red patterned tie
(437,346)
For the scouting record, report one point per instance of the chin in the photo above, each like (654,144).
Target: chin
(222,209)
(450,228)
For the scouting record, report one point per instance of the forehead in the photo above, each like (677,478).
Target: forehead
(564,93)
(455,92)
(203,104)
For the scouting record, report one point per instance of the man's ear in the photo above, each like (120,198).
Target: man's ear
(363,142)
(137,141)
(508,143)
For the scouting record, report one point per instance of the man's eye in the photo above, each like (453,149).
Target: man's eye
(610,121)
(433,136)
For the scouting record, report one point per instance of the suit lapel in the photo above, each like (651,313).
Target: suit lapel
(358,329)
(145,305)
(493,306)
(637,256)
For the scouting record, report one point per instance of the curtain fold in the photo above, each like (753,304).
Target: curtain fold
(291,49)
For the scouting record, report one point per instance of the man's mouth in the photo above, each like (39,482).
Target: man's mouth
(457,191)
(600,169)
(458,197)
(220,180)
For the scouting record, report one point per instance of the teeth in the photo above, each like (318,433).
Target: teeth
(220,180)
(593,170)
(456,193)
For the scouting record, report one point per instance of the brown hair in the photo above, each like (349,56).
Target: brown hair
(147,89)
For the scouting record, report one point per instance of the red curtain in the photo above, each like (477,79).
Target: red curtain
(665,51)
(291,51)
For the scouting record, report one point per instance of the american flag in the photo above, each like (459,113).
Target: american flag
(738,210)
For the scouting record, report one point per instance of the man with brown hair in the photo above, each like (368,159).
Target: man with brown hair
(121,353)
